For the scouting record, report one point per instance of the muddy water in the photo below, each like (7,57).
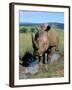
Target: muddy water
(34,66)
(55,57)
(32,70)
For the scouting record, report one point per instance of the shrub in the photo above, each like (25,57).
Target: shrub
(32,30)
(23,30)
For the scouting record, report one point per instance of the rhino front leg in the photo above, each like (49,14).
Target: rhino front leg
(40,59)
(41,64)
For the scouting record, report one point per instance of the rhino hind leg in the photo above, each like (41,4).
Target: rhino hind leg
(53,49)
(57,49)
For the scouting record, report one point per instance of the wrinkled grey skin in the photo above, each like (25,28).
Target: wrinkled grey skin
(44,40)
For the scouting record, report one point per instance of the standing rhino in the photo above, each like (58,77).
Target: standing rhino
(45,39)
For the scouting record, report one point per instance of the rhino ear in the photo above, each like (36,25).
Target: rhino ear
(48,28)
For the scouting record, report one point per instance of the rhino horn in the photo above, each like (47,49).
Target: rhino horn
(35,46)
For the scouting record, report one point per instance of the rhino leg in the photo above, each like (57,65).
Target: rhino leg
(53,49)
(56,49)
(41,64)
(41,59)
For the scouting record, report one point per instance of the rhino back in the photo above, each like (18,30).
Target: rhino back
(53,37)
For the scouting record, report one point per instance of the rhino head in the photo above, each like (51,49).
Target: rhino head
(43,27)
(40,46)
(40,41)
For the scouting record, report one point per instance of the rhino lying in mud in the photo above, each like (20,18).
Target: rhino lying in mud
(45,40)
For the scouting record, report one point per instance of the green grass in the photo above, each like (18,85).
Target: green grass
(61,40)
(25,43)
